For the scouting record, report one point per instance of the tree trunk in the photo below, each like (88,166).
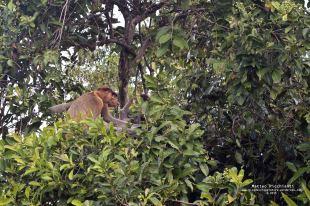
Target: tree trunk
(124,75)
(124,62)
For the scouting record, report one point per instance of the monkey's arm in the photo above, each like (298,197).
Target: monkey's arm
(108,117)
(60,107)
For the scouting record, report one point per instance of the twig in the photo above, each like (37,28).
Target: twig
(62,18)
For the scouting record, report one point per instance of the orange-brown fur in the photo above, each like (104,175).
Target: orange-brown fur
(90,105)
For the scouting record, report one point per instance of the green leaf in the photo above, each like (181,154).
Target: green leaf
(241,174)
(155,201)
(44,2)
(11,148)
(93,159)
(304,147)
(10,63)
(164,38)
(161,31)
(156,99)
(277,75)
(46,177)
(76,202)
(30,170)
(288,29)
(55,22)
(71,175)
(205,169)
(246,182)
(189,184)
(208,196)
(64,157)
(240,100)
(173,145)
(305,31)
(297,174)
(162,50)
(185,4)
(11,6)
(219,67)
(272,203)
(288,200)
(27,192)
(121,158)
(291,166)
(34,183)
(232,173)
(306,190)
(2,58)
(5,201)
(276,5)
(230,198)
(238,157)
(180,42)
(64,166)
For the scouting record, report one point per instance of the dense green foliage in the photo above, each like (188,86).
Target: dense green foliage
(75,163)
(246,78)
(229,88)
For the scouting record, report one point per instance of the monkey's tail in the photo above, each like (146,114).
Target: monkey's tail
(60,107)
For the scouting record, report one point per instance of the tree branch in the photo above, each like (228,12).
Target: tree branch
(141,51)
(119,42)
(122,5)
(149,11)
(125,110)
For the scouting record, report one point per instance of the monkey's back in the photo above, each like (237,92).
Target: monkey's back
(86,106)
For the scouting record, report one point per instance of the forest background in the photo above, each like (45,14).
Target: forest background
(228,110)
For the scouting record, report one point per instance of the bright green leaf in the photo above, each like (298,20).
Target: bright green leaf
(27,192)
(230,198)
(180,42)
(189,184)
(76,202)
(162,50)
(46,177)
(34,183)
(247,182)
(164,38)
(288,200)
(71,175)
(306,190)
(276,76)
(161,31)
(11,6)
(4,201)
(205,169)
(155,201)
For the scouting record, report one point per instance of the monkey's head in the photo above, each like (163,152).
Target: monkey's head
(109,96)
(113,100)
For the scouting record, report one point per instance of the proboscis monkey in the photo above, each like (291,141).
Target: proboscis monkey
(92,105)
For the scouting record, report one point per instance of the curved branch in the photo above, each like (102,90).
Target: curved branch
(119,42)
(125,110)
